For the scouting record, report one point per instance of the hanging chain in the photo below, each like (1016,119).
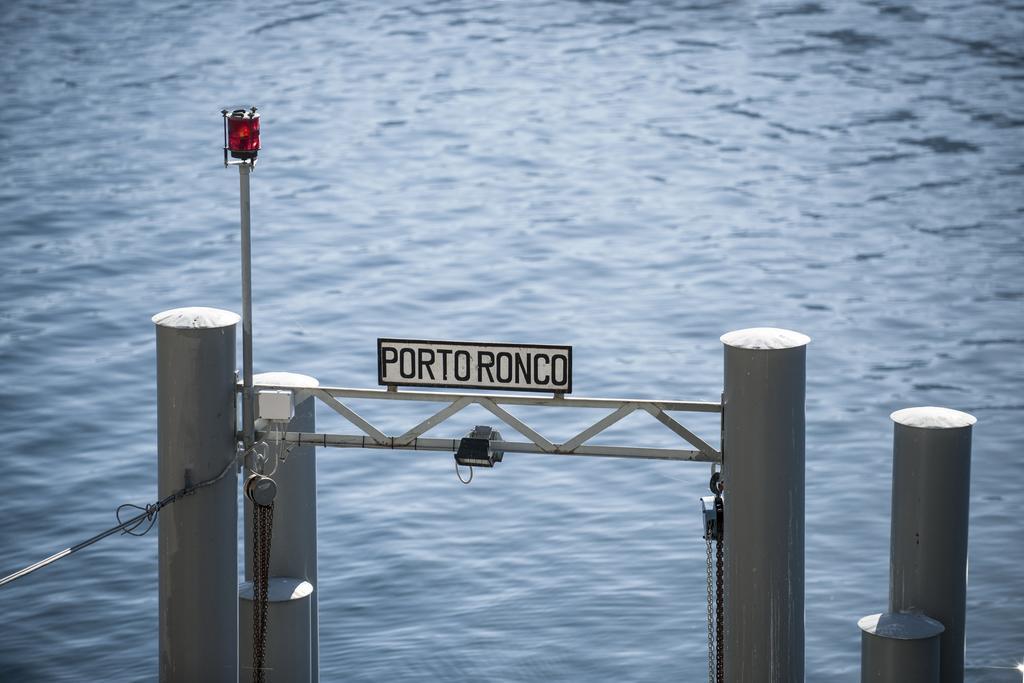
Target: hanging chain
(719,607)
(263,520)
(711,620)
(713,508)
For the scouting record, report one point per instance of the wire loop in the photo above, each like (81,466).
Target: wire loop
(459,474)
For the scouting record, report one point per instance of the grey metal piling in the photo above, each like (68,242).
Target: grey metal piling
(931,478)
(899,648)
(763,473)
(288,631)
(293,550)
(198,542)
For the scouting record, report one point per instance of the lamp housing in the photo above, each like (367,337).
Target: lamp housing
(241,135)
(475,448)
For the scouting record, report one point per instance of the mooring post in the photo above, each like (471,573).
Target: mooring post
(292,647)
(763,474)
(931,483)
(286,658)
(899,648)
(198,541)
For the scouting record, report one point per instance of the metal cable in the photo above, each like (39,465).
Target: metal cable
(149,513)
(459,474)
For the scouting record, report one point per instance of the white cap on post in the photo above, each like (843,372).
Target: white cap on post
(196,318)
(765,339)
(933,417)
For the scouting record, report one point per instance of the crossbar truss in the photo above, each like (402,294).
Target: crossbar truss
(413,439)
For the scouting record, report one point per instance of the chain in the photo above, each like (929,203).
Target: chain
(263,520)
(719,607)
(711,620)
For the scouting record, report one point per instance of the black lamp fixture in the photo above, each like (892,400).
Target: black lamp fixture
(475,448)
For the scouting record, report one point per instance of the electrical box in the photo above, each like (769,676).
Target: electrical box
(275,404)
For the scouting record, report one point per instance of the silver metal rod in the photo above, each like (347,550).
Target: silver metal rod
(294,549)
(352,416)
(432,421)
(517,399)
(248,407)
(931,485)
(452,445)
(598,427)
(681,431)
(198,541)
(763,473)
(518,425)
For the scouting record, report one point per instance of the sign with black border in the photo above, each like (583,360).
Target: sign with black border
(474,365)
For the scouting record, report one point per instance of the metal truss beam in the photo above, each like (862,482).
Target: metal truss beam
(413,439)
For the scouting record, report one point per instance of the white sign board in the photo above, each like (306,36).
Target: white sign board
(477,365)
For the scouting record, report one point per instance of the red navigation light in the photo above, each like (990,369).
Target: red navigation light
(241,134)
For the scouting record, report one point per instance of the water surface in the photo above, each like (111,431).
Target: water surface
(633,178)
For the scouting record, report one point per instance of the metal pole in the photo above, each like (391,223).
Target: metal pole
(931,481)
(899,648)
(293,547)
(763,473)
(198,542)
(248,416)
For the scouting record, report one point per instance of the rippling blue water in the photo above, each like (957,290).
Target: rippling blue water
(634,178)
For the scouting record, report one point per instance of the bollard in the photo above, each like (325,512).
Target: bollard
(899,648)
(763,473)
(288,637)
(293,545)
(931,480)
(198,543)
